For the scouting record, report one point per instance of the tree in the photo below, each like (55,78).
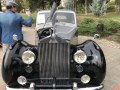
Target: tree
(39,4)
(69,4)
(75,5)
(86,3)
(25,3)
(0,6)
(33,5)
(117,5)
(83,5)
(98,7)
(19,2)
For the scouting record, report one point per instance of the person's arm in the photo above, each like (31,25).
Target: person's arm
(27,22)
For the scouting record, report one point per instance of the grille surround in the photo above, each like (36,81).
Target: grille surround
(54,60)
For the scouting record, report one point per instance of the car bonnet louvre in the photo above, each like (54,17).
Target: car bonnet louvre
(54,60)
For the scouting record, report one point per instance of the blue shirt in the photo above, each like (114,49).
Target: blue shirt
(10,24)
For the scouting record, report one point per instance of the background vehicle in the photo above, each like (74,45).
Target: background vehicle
(64,22)
(54,63)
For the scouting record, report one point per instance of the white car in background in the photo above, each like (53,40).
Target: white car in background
(64,22)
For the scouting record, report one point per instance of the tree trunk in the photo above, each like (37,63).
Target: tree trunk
(0,6)
(75,5)
(43,5)
(86,12)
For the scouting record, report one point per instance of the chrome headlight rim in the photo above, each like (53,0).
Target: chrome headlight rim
(28,57)
(79,54)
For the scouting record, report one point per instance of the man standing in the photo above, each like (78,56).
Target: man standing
(11,24)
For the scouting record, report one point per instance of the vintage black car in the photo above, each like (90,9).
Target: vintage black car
(55,62)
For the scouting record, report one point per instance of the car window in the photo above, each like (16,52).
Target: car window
(64,17)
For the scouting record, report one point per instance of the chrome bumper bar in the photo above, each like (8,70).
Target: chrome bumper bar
(74,88)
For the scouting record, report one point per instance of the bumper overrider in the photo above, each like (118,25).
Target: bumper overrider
(74,87)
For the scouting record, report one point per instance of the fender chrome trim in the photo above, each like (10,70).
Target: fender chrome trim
(32,88)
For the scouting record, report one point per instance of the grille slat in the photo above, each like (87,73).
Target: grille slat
(54,60)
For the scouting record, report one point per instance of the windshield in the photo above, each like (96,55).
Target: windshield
(59,17)
(64,17)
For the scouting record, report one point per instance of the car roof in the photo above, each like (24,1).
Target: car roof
(62,10)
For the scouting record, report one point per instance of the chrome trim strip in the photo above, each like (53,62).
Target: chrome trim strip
(7,88)
(87,88)
(75,87)
(92,88)
(32,85)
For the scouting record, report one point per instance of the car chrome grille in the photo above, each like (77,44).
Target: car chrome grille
(54,60)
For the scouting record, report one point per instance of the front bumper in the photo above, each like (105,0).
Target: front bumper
(32,87)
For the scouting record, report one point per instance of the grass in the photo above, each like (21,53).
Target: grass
(109,16)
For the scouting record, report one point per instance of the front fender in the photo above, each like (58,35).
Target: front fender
(12,62)
(94,66)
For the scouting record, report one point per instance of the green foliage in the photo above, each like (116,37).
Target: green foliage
(89,27)
(98,7)
(20,5)
(88,20)
(117,2)
(25,3)
(112,26)
(33,5)
(69,4)
(111,6)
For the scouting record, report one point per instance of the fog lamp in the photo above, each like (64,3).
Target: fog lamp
(85,79)
(22,80)
(80,56)
(28,57)
(28,69)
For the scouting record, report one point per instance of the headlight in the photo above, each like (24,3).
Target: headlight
(22,80)
(80,56)
(28,57)
(85,79)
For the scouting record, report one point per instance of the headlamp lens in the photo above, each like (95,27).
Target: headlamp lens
(28,57)
(80,56)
